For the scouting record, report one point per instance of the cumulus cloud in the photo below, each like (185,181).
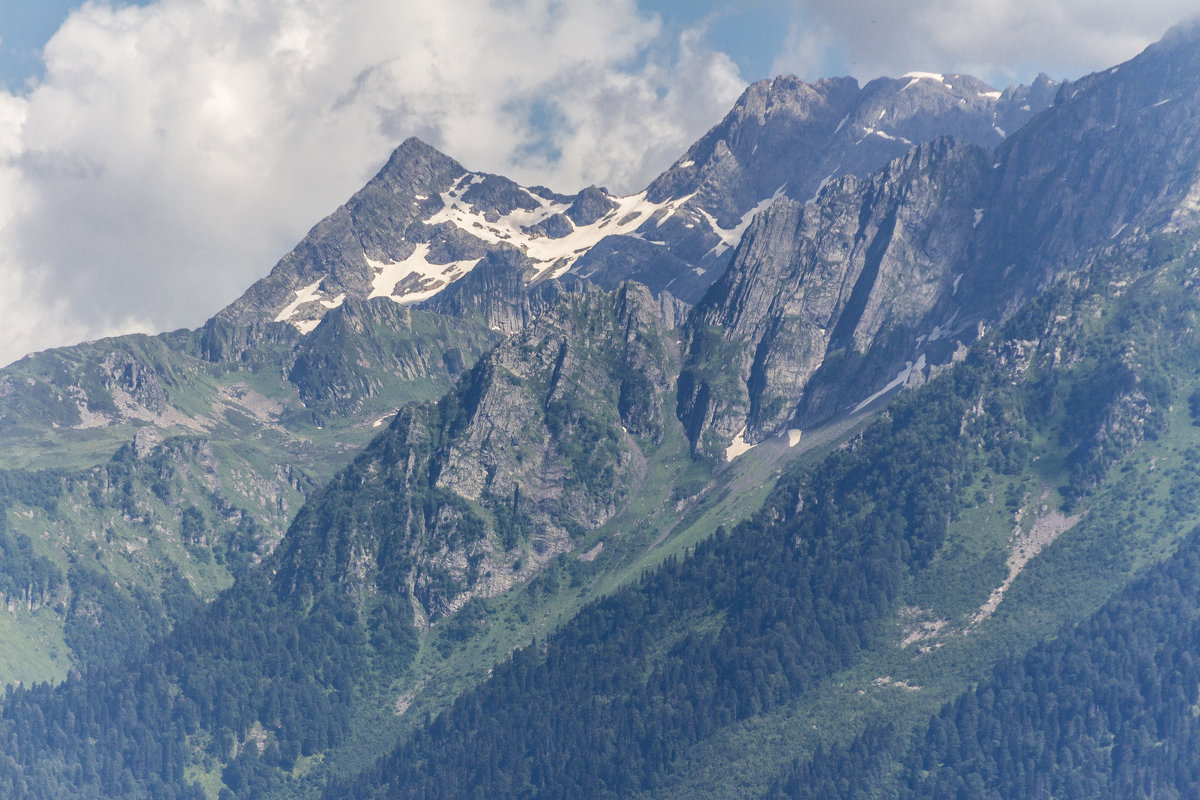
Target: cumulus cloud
(173,152)
(1001,41)
(605,135)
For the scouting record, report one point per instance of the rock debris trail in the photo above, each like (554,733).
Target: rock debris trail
(1026,545)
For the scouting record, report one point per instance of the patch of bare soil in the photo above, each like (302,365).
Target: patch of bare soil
(590,555)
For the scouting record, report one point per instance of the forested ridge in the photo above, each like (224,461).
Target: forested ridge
(249,684)
(269,672)
(131,732)
(1108,709)
(744,623)
(27,578)
(759,616)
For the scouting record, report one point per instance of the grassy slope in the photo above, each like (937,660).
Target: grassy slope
(654,525)
(267,449)
(1070,579)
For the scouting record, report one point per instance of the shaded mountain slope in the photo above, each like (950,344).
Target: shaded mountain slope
(1104,710)
(459,499)
(545,438)
(169,467)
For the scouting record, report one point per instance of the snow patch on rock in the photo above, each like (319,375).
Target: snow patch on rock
(917,77)
(307,294)
(414,278)
(899,380)
(730,237)
(551,257)
(738,446)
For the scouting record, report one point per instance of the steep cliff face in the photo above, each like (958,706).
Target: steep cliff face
(828,304)
(850,282)
(495,293)
(788,138)
(1115,160)
(542,440)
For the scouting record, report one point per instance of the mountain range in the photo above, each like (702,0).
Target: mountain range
(829,465)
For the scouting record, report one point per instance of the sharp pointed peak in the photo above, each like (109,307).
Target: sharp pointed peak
(417,166)
(414,149)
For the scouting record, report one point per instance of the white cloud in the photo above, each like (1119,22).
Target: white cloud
(1002,41)
(173,152)
(807,51)
(624,128)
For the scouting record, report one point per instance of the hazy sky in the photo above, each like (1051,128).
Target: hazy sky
(157,157)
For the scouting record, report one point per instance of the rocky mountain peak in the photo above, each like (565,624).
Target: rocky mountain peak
(416,167)
(424,221)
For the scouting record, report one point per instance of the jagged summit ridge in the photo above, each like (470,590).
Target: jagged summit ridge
(424,221)
(439,221)
(787,133)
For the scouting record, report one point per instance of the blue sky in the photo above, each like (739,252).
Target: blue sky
(25,27)
(158,156)
(751,32)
